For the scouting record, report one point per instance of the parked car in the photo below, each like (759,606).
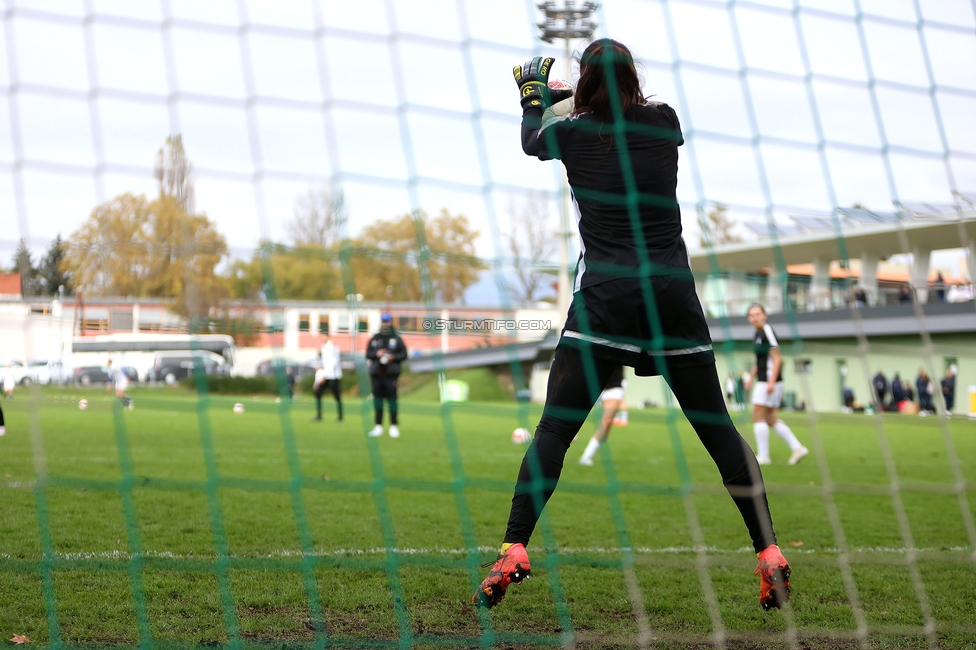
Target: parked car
(171,367)
(22,374)
(271,368)
(88,375)
(46,372)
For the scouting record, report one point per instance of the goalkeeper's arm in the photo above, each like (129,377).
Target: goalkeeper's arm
(535,96)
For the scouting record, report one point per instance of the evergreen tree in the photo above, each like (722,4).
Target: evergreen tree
(51,273)
(24,264)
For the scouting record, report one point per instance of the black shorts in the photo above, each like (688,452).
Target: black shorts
(613,321)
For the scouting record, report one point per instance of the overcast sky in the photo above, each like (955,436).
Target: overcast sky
(406,104)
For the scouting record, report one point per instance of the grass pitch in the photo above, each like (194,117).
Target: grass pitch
(181,524)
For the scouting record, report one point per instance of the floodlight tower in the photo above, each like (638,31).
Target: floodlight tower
(566,22)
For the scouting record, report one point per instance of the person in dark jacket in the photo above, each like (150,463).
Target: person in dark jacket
(897,390)
(880,383)
(905,295)
(924,385)
(385,351)
(949,390)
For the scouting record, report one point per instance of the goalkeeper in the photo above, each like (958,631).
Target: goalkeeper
(634,302)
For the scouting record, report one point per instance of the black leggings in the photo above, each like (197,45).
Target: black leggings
(575,383)
(332,385)
(1,416)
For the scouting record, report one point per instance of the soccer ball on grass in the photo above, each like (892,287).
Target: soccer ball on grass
(521,436)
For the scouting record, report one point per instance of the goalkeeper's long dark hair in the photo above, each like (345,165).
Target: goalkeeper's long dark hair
(593,89)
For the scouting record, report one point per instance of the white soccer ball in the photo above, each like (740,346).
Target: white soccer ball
(238,408)
(83,404)
(521,436)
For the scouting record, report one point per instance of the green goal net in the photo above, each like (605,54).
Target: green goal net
(828,167)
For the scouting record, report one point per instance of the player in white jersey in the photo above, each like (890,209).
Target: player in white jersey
(120,381)
(768,390)
(611,398)
(327,378)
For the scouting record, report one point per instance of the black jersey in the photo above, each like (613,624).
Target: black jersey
(393,344)
(601,167)
(609,316)
(765,341)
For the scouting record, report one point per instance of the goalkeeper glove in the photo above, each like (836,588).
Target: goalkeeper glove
(532,78)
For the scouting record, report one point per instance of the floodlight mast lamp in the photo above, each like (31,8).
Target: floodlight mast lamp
(566,22)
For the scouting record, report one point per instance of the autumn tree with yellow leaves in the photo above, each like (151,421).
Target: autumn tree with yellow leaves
(387,253)
(396,252)
(133,247)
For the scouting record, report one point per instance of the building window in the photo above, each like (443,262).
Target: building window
(304,321)
(407,323)
(363,324)
(324,324)
(952,363)
(803,366)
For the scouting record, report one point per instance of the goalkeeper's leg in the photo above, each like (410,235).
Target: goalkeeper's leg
(700,396)
(568,402)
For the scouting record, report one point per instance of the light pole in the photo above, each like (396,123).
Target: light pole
(566,22)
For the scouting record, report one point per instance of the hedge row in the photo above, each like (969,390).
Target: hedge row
(223,384)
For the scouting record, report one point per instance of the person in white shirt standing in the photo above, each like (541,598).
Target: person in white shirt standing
(327,378)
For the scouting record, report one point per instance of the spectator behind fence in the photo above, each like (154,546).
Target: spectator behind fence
(949,390)
(905,295)
(897,389)
(880,384)
(925,389)
(938,289)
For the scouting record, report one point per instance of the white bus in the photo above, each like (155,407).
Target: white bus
(139,351)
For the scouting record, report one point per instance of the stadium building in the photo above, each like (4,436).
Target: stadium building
(803,274)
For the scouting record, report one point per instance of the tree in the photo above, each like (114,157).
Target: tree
(531,242)
(174,173)
(389,253)
(717,228)
(277,272)
(51,272)
(182,253)
(106,254)
(318,219)
(132,247)
(23,262)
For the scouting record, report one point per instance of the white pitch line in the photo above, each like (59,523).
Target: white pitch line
(379,550)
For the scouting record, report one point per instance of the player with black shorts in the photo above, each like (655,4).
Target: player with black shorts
(385,352)
(634,302)
(767,393)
